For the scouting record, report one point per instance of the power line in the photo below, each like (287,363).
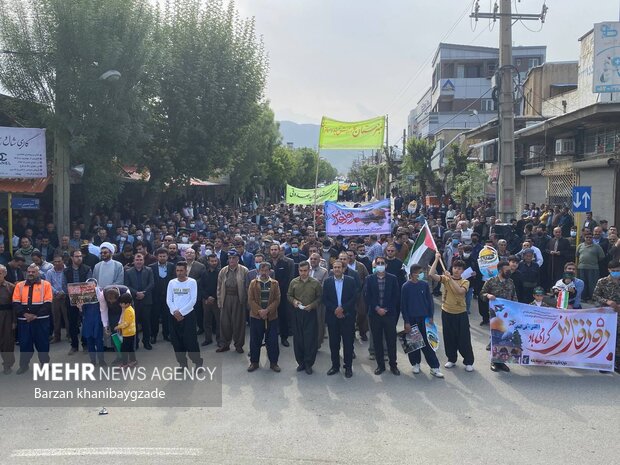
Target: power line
(422,67)
(463,110)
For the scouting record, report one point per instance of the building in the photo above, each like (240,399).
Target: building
(578,143)
(460,96)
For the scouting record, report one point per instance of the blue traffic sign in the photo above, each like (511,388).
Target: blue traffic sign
(24,203)
(582,199)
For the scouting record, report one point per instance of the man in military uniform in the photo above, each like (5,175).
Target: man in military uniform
(501,286)
(607,294)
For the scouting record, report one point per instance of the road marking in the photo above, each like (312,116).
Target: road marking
(126,451)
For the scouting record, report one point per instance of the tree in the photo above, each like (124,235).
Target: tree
(417,161)
(456,163)
(471,183)
(211,76)
(59,51)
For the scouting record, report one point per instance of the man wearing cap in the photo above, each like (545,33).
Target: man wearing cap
(263,300)
(231,299)
(108,271)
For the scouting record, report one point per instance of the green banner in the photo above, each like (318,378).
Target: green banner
(297,196)
(367,134)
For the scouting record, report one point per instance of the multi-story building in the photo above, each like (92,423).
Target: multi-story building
(460,96)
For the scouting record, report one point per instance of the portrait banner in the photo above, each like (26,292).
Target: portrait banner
(82,293)
(370,219)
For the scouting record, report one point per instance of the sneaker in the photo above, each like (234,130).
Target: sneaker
(416,369)
(469,368)
(450,365)
(436,373)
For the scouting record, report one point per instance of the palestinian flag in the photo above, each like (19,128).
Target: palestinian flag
(563,298)
(423,251)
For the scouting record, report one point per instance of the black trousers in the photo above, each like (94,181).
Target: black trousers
(456,337)
(198,310)
(264,330)
(305,336)
(341,329)
(415,357)
(184,339)
(73,313)
(143,317)
(286,317)
(483,308)
(128,353)
(380,327)
(160,312)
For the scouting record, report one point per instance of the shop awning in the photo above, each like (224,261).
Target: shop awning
(23,186)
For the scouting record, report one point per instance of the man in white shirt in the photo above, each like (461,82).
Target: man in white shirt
(181,298)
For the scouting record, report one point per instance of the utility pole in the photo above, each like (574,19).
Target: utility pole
(507,178)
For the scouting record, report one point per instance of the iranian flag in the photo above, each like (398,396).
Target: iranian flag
(423,251)
(563,298)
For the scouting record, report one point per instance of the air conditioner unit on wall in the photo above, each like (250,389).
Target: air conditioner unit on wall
(565,146)
(489,153)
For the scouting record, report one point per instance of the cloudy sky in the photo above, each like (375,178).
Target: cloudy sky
(356,59)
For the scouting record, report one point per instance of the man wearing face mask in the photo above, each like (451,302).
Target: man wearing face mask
(607,294)
(382,295)
(296,256)
(503,287)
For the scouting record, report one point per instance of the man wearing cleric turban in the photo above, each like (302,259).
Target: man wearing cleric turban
(108,271)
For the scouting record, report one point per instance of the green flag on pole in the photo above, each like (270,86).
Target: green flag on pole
(367,134)
(297,196)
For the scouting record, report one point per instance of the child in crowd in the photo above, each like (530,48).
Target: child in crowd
(539,297)
(127,327)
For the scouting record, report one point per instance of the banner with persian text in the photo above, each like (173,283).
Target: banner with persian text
(373,218)
(368,134)
(297,196)
(22,153)
(530,335)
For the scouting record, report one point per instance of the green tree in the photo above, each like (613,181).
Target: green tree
(471,183)
(211,72)
(59,51)
(417,161)
(456,163)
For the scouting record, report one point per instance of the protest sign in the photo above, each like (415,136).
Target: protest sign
(530,335)
(487,262)
(82,293)
(370,219)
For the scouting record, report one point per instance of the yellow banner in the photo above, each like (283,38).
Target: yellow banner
(367,134)
(297,196)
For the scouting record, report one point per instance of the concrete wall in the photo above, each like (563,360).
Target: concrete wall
(603,182)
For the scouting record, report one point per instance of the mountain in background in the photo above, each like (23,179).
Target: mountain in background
(307,135)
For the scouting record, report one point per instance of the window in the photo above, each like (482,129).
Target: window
(518,62)
(491,67)
(532,62)
(487,104)
(472,71)
(460,71)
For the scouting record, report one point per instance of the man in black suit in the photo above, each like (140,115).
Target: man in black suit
(559,251)
(382,296)
(283,274)
(339,298)
(196,271)
(139,279)
(163,273)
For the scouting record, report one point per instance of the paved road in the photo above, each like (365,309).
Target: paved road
(532,415)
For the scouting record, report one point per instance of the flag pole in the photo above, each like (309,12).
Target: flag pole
(316,182)
(443,265)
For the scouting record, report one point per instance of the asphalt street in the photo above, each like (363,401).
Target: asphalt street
(531,415)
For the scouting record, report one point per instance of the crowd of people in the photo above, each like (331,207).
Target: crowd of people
(200,274)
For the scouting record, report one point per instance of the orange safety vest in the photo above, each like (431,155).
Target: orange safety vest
(41,294)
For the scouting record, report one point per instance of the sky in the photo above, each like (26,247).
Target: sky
(357,59)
